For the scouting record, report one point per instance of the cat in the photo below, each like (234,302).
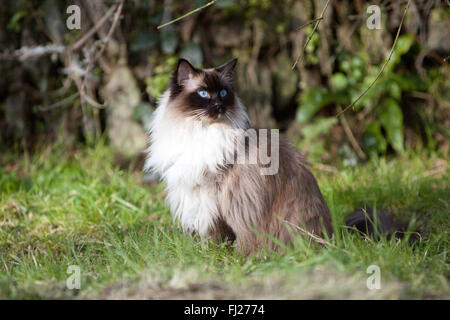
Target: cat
(195,133)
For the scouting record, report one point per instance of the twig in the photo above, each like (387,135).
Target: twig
(320,18)
(100,22)
(351,137)
(25,53)
(111,30)
(383,67)
(325,168)
(80,75)
(308,23)
(78,72)
(422,95)
(186,15)
(315,237)
(104,42)
(60,103)
(92,102)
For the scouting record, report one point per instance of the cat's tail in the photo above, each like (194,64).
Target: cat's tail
(380,224)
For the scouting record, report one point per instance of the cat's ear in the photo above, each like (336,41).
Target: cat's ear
(227,68)
(185,71)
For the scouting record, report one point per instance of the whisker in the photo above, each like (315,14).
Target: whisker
(233,122)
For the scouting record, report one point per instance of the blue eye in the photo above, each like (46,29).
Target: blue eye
(223,93)
(203,93)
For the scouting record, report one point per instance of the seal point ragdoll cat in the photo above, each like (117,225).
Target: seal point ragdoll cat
(195,131)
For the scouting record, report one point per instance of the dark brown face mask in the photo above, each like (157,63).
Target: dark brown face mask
(209,92)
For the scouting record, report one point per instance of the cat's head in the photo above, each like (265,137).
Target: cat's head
(205,94)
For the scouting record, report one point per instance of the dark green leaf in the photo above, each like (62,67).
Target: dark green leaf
(312,100)
(391,118)
(373,140)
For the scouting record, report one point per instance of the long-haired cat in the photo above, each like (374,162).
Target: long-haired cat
(196,130)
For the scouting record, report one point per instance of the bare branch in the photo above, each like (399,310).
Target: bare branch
(315,237)
(382,68)
(325,168)
(318,20)
(104,42)
(111,30)
(92,102)
(60,103)
(186,15)
(26,53)
(308,23)
(77,45)
(351,137)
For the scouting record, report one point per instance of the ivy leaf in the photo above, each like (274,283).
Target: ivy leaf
(373,140)
(394,89)
(311,136)
(410,82)
(312,101)
(404,43)
(318,127)
(339,81)
(391,118)
(14,23)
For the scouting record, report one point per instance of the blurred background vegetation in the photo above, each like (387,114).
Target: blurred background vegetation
(84,94)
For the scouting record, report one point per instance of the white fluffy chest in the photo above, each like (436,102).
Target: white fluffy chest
(187,154)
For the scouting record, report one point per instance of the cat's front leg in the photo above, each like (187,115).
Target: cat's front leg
(221,231)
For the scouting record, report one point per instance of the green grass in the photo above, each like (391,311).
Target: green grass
(59,209)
